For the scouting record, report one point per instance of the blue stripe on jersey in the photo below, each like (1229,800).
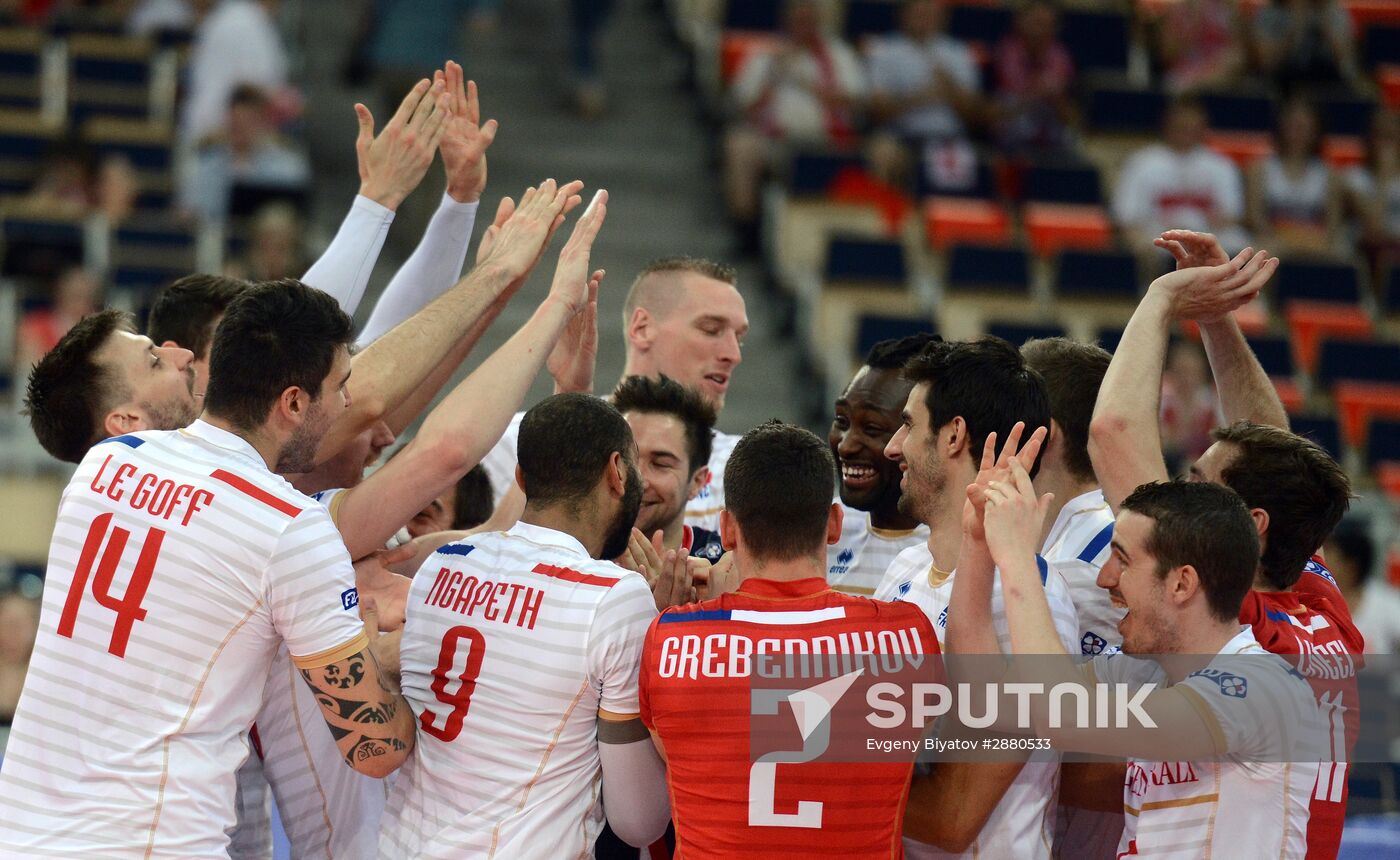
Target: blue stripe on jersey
(1095,546)
(698,615)
(130,441)
(456,549)
(1044,568)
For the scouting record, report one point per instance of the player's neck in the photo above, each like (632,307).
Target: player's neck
(561,520)
(267,447)
(889,518)
(1197,645)
(945,538)
(784,571)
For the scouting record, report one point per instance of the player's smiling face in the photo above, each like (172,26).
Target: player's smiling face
(1133,583)
(914,448)
(867,415)
(664,464)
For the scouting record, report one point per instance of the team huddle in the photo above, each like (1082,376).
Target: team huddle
(223,626)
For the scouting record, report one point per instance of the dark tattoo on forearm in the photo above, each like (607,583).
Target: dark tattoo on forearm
(351,712)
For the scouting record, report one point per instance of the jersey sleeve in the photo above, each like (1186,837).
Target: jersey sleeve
(1062,611)
(310,591)
(1255,708)
(615,643)
(649,664)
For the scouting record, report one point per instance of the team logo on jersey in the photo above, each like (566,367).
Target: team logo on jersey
(904,589)
(843,562)
(1092,643)
(1233,685)
(1315,568)
(349,598)
(943,618)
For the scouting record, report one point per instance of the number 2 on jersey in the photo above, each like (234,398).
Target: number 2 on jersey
(461,700)
(128,606)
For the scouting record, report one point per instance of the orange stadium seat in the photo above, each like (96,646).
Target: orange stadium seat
(1359,402)
(1311,322)
(952,220)
(1388,476)
(1343,151)
(1388,76)
(1364,13)
(1241,147)
(1053,227)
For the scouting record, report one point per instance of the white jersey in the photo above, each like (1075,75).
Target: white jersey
(1268,733)
(702,511)
(1161,189)
(857,562)
(1022,825)
(514,642)
(1078,545)
(178,564)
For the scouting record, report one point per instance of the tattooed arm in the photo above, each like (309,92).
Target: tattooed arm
(371,723)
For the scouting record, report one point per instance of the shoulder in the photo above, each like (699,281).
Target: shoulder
(721,447)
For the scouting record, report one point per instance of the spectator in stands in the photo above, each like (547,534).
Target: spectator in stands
(1033,77)
(1199,44)
(149,17)
(1306,43)
(76,293)
(465,506)
(1179,184)
(249,153)
(64,182)
(1189,407)
(1373,187)
(116,188)
(19,622)
(1375,603)
(805,94)
(237,42)
(275,246)
(1294,196)
(923,89)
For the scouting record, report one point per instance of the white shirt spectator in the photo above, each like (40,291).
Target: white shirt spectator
(793,109)
(152,16)
(237,43)
(217,169)
(1162,189)
(901,67)
(1377,616)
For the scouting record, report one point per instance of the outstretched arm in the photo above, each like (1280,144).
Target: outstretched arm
(391,166)
(1246,394)
(1125,441)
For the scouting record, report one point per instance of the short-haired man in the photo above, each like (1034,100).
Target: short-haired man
(1295,491)
(778,520)
(685,318)
(873,528)
(520,657)
(1226,752)
(674,428)
(964,392)
(180,562)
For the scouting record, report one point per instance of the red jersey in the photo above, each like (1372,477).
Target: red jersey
(1312,625)
(699,667)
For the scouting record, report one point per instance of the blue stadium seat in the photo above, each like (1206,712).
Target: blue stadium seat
(1019,333)
(986,24)
(1382,45)
(1390,301)
(870,18)
(1322,430)
(753,15)
(148,147)
(40,247)
(1108,337)
(108,76)
(1317,281)
(982,267)
(868,261)
(1098,41)
(812,172)
(1383,442)
(1239,111)
(874,328)
(1048,184)
(1125,110)
(1359,361)
(1274,354)
(23,142)
(21,54)
(151,250)
(1096,274)
(1349,115)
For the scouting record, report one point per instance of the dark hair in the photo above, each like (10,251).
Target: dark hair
(1072,372)
(1298,484)
(1206,526)
(248,94)
(187,310)
(565,443)
(894,353)
(1352,538)
(778,486)
(472,500)
(275,335)
(665,396)
(987,383)
(70,393)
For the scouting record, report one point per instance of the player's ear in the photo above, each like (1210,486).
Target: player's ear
(1182,584)
(834,516)
(640,330)
(728,530)
(121,421)
(167,344)
(697,482)
(616,474)
(519,478)
(957,437)
(1261,525)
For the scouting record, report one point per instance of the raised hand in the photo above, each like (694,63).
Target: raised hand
(1014,517)
(1208,293)
(521,240)
(994,468)
(674,585)
(393,163)
(464,139)
(504,210)
(571,278)
(721,577)
(575,355)
(1192,249)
